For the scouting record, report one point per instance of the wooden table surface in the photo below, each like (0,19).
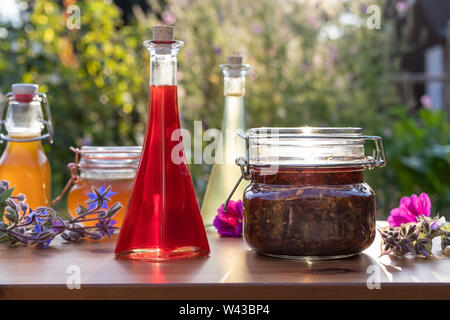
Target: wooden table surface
(231,272)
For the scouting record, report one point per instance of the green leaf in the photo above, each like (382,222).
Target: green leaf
(80,210)
(6,194)
(11,215)
(2,210)
(64,215)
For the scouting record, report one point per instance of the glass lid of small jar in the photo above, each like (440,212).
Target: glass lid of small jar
(107,159)
(311,147)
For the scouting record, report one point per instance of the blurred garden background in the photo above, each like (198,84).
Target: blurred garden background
(313,62)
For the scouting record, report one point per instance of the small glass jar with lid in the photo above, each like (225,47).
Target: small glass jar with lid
(103,166)
(307,198)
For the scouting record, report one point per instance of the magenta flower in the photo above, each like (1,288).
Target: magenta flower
(168,17)
(425,100)
(410,208)
(400,216)
(229,223)
(401,6)
(257,28)
(364,8)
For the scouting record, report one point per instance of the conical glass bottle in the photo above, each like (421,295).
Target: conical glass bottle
(163,219)
(225,173)
(23,162)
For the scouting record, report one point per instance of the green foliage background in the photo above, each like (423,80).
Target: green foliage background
(308,67)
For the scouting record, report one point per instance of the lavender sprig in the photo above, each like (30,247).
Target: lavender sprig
(21,224)
(415,238)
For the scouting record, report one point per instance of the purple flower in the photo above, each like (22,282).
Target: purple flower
(87,140)
(58,225)
(363,8)
(313,21)
(95,200)
(257,28)
(30,217)
(4,185)
(43,244)
(37,216)
(388,132)
(229,223)
(168,17)
(40,231)
(106,227)
(37,228)
(437,224)
(306,67)
(410,208)
(217,50)
(425,100)
(401,6)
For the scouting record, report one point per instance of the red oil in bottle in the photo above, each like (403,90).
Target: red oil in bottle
(163,219)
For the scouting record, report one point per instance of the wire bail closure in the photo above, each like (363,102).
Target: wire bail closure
(74,177)
(47,123)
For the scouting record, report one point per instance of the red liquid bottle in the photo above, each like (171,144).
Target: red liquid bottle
(163,219)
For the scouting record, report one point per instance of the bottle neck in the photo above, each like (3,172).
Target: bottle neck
(234,79)
(163,62)
(24,119)
(234,92)
(234,112)
(163,70)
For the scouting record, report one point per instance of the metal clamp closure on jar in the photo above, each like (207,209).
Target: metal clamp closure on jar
(307,147)
(40,97)
(103,159)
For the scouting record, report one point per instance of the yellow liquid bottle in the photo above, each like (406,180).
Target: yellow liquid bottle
(25,166)
(225,173)
(23,162)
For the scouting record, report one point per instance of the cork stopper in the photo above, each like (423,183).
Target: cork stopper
(236,59)
(163,33)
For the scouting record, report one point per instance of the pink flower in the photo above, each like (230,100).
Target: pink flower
(229,223)
(168,17)
(257,28)
(410,208)
(400,216)
(417,205)
(217,50)
(425,100)
(313,21)
(401,6)
(363,8)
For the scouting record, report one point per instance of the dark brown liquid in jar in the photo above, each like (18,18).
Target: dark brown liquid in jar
(309,212)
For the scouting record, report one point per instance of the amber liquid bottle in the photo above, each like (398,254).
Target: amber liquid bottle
(24,163)
(163,219)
